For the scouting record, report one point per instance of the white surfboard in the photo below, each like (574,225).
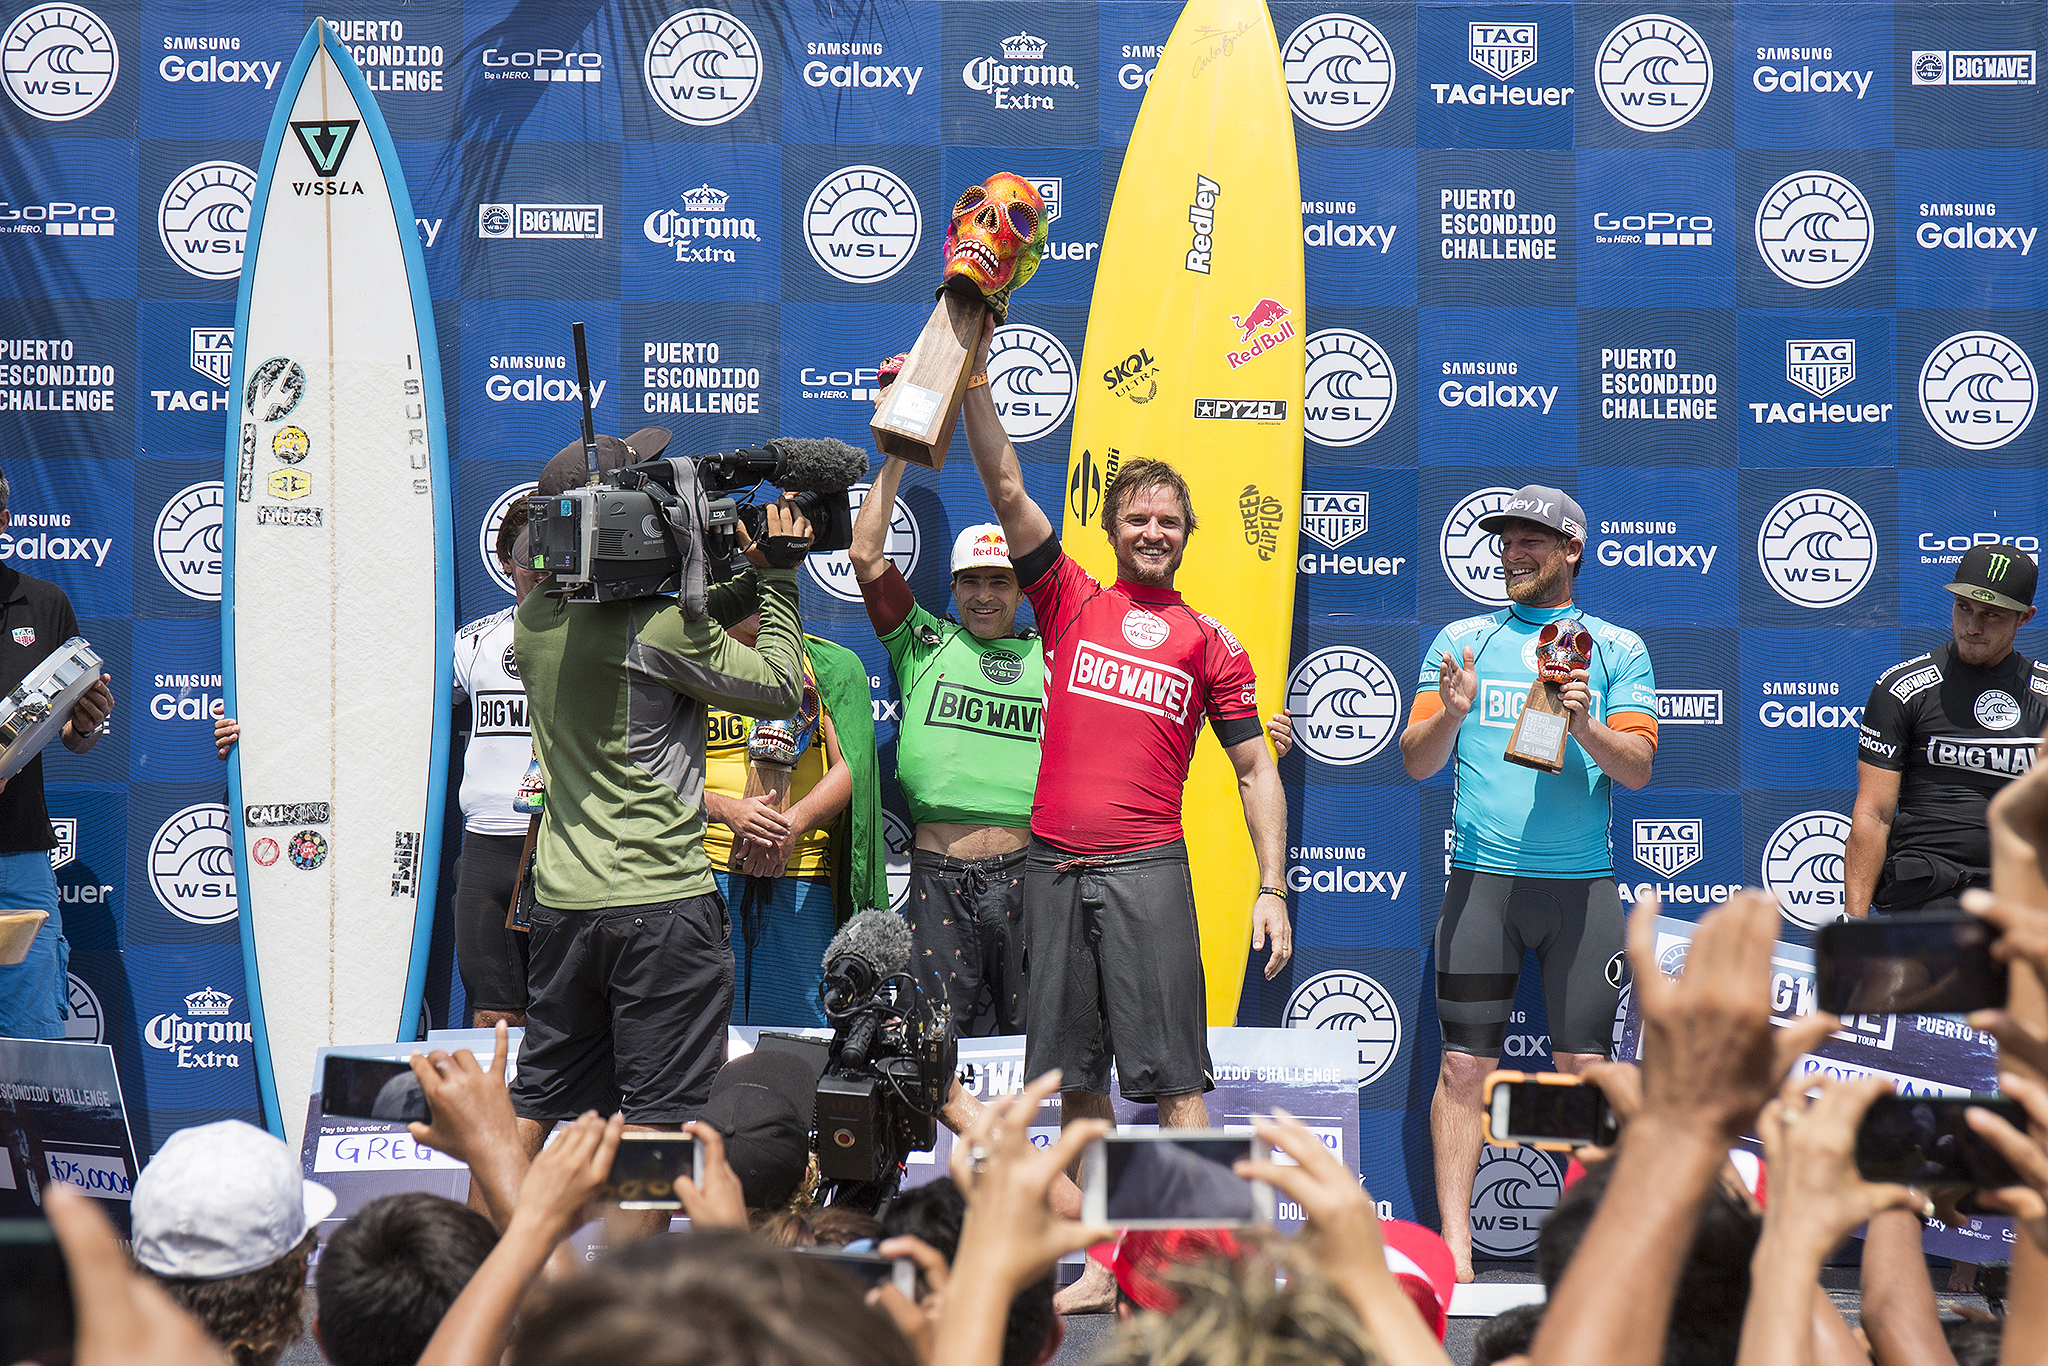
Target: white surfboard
(337,609)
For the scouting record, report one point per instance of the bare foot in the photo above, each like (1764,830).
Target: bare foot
(1094,1293)
(1962,1278)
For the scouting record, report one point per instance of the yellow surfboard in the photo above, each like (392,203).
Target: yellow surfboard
(1194,356)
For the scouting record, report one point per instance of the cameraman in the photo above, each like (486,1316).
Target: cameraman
(630,973)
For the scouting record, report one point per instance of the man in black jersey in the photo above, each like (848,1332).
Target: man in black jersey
(1942,733)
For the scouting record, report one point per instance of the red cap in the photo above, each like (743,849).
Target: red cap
(1141,1257)
(1422,1264)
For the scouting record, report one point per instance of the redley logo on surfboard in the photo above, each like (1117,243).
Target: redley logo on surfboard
(1265,326)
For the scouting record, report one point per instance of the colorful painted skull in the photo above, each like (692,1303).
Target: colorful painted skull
(996,236)
(1562,646)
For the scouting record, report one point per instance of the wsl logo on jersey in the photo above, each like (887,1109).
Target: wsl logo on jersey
(1471,557)
(1668,847)
(703,67)
(1654,73)
(1031,379)
(59,62)
(1803,863)
(1345,704)
(1813,230)
(1817,548)
(862,224)
(1339,71)
(1349,387)
(189,537)
(192,865)
(1352,1003)
(203,220)
(1978,390)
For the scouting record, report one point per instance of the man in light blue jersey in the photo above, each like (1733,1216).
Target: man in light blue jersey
(1531,863)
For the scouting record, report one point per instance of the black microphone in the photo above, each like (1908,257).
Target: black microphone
(816,465)
(872,947)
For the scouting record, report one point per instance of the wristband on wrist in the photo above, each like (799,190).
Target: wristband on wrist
(977,381)
(1280,892)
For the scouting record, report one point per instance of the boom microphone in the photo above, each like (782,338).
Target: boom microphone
(817,465)
(874,944)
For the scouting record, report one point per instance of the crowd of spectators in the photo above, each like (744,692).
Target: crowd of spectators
(1661,1252)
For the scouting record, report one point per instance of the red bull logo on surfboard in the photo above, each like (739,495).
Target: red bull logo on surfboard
(1267,325)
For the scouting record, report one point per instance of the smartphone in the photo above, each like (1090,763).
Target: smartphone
(36,1317)
(1924,964)
(645,1170)
(372,1088)
(869,1269)
(1547,1110)
(1924,1141)
(1172,1178)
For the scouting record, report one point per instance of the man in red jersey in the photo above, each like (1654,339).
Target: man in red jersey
(1131,672)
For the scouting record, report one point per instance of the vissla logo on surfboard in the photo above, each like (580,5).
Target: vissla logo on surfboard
(325,143)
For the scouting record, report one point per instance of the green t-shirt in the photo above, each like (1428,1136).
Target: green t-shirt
(967,750)
(617,694)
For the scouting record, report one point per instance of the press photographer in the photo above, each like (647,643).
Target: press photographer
(630,965)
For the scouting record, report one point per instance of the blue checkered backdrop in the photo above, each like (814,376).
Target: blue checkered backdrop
(1774,317)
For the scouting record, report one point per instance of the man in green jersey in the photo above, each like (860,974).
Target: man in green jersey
(630,965)
(966,756)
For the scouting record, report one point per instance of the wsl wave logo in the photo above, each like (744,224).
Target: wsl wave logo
(188,539)
(703,67)
(862,224)
(1817,548)
(1339,71)
(1654,73)
(203,219)
(487,532)
(1470,556)
(1813,230)
(1354,1004)
(1345,704)
(1512,1193)
(88,1021)
(1031,379)
(59,62)
(897,841)
(1803,863)
(1978,390)
(192,865)
(1349,387)
(834,572)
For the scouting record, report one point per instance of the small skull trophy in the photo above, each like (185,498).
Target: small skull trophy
(995,238)
(1561,647)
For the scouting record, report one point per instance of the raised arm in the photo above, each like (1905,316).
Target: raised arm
(871,524)
(1025,525)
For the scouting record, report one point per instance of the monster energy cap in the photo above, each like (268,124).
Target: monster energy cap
(2000,575)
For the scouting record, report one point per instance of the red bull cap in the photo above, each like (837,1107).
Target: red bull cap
(981,547)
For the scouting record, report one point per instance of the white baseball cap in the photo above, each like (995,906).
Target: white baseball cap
(981,547)
(221,1199)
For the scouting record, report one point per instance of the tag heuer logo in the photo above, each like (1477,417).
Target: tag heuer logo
(1821,367)
(1048,187)
(65,828)
(1502,50)
(1333,519)
(1669,847)
(213,352)
(24,636)
(325,143)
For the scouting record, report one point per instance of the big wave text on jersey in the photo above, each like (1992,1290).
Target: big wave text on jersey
(500,745)
(1510,819)
(1130,674)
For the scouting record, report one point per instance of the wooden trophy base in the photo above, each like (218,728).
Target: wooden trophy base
(917,414)
(18,933)
(1542,731)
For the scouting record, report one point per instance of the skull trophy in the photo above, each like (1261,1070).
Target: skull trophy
(993,243)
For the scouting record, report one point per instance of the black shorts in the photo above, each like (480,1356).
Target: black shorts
(491,958)
(627,1011)
(1578,931)
(967,938)
(1115,960)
